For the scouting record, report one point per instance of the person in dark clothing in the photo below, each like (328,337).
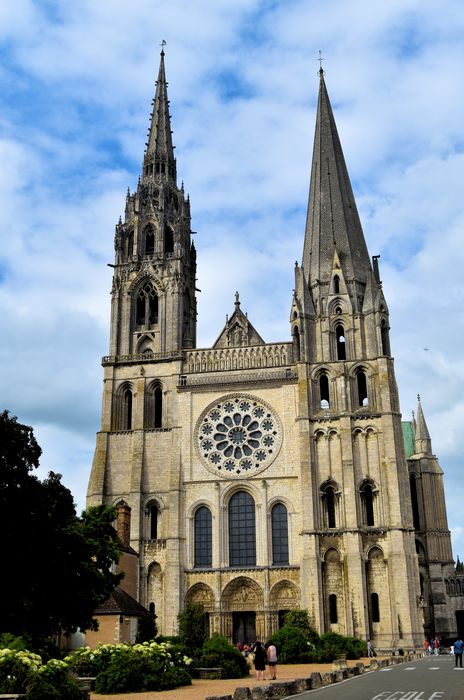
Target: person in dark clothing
(458,649)
(260,660)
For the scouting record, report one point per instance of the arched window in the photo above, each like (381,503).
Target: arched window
(153,516)
(146,312)
(130,244)
(385,338)
(153,417)
(362,388)
(203,556)
(158,394)
(324,391)
(375,610)
(168,240)
(328,501)
(296,343)
(242,530)
(336,280)
(367,497)
(279,522)
(149,236)
(333,616)
(341,344)
(127,409)
(414,502)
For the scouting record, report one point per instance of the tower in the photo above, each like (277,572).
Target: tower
(258,477)
(360,522)
(433,538)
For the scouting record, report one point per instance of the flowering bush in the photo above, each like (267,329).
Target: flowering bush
(23,671)
(124,668)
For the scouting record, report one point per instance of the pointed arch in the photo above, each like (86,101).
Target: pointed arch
(154,410)
(168,240)
(414,502)
(324,394)
(336,284)
(296,343)
(122,410)
(148,240)
(329,497)
(341,342)
(385,337)
(367,493)
(361,387)
(146,305)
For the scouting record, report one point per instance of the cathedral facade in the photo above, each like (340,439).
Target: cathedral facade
(262,477)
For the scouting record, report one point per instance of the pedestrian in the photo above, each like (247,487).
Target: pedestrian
(272,660)
(426,646)
(260,660)
(436,646)
(458,649)
(370,649)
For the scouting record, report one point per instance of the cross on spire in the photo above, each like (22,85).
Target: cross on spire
(320,59)
(163,44)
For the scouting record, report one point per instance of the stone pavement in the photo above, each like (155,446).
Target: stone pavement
(200,689)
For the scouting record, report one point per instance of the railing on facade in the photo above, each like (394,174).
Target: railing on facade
(233,358)
(144,357)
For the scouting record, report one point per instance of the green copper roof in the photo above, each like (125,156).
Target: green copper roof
(408,438)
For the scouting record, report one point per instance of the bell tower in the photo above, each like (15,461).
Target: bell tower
(153,294)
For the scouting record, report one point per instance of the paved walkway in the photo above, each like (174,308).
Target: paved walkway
(200,689)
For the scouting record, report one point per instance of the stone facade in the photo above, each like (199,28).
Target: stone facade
(260,477)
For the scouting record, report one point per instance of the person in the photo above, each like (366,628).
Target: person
(370,649)
(272,660)
(426,647)
(458,649)
(436,646)
(260,660)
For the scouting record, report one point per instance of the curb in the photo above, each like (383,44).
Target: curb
(285,689)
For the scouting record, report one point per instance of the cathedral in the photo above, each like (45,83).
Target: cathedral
(257,477)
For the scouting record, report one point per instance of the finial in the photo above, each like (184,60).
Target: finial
(413,416)
(320,59)
(237,299)
(163,44)
(418,397)
(296,263)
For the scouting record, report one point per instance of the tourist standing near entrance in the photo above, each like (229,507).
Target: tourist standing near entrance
(260,660)
(272,660)
(458,649)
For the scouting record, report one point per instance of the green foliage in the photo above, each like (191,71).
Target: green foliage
(336,644)
(218,653)
(296,642)
(123,668)
(60,566)
(23,671)
(292,645)
(146,630)
(193,624)
(300,620)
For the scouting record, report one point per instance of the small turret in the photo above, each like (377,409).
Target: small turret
(423,441)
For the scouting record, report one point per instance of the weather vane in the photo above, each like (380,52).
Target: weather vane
(163,44)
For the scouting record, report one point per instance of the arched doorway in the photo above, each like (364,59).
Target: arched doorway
(242,607)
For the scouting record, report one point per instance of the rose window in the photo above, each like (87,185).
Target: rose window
(238,436)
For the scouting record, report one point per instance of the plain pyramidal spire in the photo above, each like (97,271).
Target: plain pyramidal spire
(332,219)
(159,155)
(423,441)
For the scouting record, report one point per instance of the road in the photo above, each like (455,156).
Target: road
(432,678)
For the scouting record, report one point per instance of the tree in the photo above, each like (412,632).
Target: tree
(193,626)
(57,567)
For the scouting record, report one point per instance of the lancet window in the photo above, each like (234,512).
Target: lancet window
(324,395)
(367,501)
(203,539)
(153,407)
(341,342)
(149,240)
(242,530)
(146,313)
(279,521)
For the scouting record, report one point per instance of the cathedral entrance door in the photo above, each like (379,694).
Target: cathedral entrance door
(243,626)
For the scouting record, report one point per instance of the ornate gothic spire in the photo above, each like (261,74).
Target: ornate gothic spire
(332,218)
(159,155)
(423,441)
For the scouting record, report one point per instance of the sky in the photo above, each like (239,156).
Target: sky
(76,83)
